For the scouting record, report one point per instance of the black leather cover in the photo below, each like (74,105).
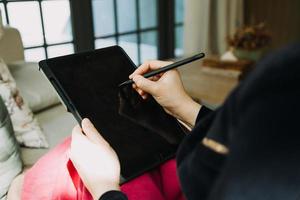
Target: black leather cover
(141,133)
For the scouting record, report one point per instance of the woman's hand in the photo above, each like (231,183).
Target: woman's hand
(167,89)
(94,159)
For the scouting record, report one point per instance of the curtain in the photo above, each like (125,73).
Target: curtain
(1,26)
(209,22)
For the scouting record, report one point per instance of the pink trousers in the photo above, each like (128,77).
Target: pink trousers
(54,177)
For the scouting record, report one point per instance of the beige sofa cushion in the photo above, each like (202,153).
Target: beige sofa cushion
(33,85)
(57,124)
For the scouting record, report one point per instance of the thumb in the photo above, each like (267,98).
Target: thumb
(145,84)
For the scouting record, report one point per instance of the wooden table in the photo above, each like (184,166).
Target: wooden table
(211,80)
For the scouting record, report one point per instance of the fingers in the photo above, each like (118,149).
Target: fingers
(145,67)
(145,96)
(77,134)
(155,78)
(89,129)
(140,91)
(77,139)
(91,132)
(140,70)
(144,85)
(149,66)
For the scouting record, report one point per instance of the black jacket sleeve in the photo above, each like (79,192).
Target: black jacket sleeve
(113,195)
(264,136)
(259,123)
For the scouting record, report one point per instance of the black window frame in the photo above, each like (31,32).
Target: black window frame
(138,31)
(83,30)
(45,45)
(176,25)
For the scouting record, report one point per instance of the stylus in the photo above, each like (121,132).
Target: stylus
(168,67)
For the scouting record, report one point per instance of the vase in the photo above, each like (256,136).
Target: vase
(253,55)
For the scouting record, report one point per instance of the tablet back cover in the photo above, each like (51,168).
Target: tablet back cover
(140,132)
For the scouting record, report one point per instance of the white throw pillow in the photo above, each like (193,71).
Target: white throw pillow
(10,161)
(26,127)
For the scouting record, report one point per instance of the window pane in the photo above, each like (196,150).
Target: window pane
(148,13)
(101,43)
(103,15)
(25,16)
(129,44)
(148,45)
(178,40)
(179,11)
(57,21)
(126,15)
(2,11)
(35,54)
(60,50)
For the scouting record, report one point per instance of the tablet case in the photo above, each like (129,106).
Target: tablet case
(140,132)
(147,113)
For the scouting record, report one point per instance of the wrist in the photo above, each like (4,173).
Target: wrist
(187,111)
(101,189)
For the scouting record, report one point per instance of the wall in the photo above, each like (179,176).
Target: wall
(282,17)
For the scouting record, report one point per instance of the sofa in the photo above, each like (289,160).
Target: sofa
(55,121)
(52,116)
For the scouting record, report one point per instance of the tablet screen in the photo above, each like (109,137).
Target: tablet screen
(89,81)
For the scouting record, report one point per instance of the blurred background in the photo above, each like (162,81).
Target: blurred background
(146,29)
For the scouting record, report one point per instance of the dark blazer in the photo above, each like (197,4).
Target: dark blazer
(260,124)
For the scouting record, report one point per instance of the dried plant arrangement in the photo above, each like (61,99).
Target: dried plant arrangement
(250,38)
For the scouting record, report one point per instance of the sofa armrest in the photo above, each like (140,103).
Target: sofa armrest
(11,46)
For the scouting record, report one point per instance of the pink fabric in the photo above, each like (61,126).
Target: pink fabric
(54,177)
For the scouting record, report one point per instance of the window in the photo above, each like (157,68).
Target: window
(132,24)
(178,26)
(45,26)
(146,29)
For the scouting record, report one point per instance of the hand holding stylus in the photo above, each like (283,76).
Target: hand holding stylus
(166,68)
(167,89)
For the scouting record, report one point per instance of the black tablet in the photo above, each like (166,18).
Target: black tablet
(140,131)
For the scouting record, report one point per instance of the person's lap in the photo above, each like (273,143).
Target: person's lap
(54,177)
